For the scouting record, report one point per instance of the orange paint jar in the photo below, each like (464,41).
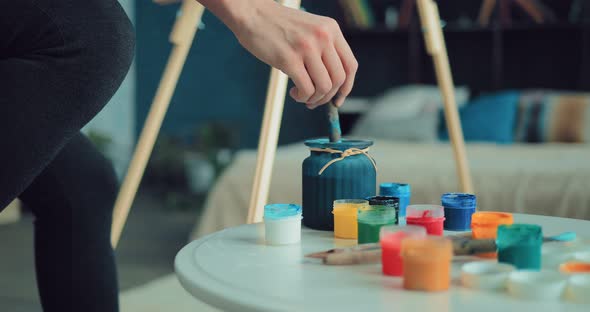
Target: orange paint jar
(575,267)
(427,263)
(484,225)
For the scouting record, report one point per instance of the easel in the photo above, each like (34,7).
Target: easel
(182,36)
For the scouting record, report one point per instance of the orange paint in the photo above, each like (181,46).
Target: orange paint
(345,217)
(427,263)
(575,267)
(484,225)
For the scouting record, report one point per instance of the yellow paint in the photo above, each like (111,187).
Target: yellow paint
(345,217)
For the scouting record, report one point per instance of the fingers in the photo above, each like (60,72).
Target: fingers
(350,66)
(333,64)
(304,87)
(320,77)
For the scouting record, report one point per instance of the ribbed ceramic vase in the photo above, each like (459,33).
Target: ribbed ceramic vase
(353,177)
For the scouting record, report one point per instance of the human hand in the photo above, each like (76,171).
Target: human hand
(308,48)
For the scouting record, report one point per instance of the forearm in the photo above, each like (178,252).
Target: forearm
(232,13)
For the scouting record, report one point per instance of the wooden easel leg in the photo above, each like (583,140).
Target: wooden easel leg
(269,135)
(435,44)
(182,37)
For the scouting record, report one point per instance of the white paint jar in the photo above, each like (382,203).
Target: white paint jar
(578,289)
(282,224)
(537,285)
(488,275)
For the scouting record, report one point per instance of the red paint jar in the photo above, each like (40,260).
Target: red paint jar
(391,239)
(431,217)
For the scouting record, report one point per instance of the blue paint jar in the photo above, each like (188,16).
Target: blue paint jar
(458,210)
(401,191)
(335,170)
(520,245)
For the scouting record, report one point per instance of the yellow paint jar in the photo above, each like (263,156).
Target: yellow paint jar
(345,217)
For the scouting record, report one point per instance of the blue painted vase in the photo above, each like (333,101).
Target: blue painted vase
(350,177)
(402,191)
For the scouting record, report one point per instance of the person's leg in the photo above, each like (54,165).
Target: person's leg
(60,63)
(72,200)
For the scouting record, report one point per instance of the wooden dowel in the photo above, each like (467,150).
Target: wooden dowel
(269,135)
(182,37)
(435,45)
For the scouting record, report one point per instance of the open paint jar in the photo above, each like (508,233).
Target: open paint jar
(489,275)
(484,225)
(345,214)
(458,210)
(431,217)
(427,263)
(575,267)
(401,191)
(520,245)
(282,224)
(537,285)
(381,211)
(335,170)
(391,237)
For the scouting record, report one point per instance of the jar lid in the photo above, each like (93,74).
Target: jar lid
(388,201)
(425,211)
(344,144)
(281,211)
(398,232)
(511,234)
(485,274)
(348,207)
(394,189)
(544,285)
(429,248)
(491,218)
(578,288)
(458,200)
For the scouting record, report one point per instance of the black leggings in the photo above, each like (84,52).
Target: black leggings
(60,62)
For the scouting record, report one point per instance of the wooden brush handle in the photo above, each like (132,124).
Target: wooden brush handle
(350,258)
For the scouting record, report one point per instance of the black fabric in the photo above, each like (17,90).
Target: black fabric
(60,62)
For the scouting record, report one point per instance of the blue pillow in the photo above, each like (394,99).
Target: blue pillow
(488,118)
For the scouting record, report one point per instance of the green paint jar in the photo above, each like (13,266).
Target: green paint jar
(371,218)
(520,245)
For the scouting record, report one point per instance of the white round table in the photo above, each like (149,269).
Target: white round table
(235,271)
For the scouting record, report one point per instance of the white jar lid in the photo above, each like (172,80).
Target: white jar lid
(540,285)
(582,256)
(578,288)
(489,275)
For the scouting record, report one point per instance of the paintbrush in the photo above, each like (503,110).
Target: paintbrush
(463,245)
(335,132)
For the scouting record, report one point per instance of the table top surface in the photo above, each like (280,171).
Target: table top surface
(234,270)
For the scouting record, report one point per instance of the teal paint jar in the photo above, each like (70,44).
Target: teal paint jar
(382,210)
(335,170)
(520,245)
(402,191)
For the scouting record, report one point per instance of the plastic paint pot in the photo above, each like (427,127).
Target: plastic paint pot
(282,224)
(371,218)
(538,285)
(575,267)
(391,237)
(345,214)
(329,174)
(431,217)
(484,225)
(401,191)
(427,263)
(488,275)
(458,210)
(578,289)
(520,245)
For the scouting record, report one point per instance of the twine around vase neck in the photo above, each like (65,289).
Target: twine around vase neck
(343,154)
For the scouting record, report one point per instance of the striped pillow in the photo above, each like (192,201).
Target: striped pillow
(548,116)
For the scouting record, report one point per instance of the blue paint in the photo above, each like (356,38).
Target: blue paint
(353,177)
(400,190)
(520,245)
(458,210)
(281,211)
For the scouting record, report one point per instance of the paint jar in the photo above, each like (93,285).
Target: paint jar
(520,245)
(488,275)
(484,225)
(458,210)
(427,263)
(578,289)
(574,267)
(381,211)
(401,191)
(335,170)
(537,285)
(282,224)
(431,217)
(390,238)
(345,214)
